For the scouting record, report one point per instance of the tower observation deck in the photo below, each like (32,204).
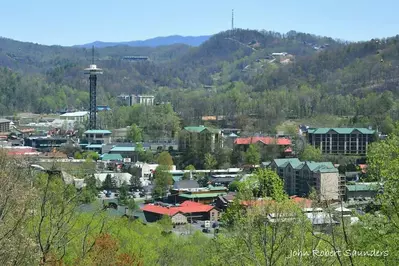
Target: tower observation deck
(93,71)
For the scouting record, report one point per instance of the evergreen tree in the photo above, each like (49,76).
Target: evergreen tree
(123,197)
(162,181)
(109,182)
(252,155)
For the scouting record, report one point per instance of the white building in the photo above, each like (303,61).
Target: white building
(146,169)
(142,99)
(79,117)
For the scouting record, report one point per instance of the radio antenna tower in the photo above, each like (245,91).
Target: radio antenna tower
(232,19)
(93,71)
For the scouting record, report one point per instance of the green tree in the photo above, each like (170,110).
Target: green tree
(233,186)
(144,155)
(132,206)
(109,182)
(78,155)
(263,183)
(252,155)
(58,220)
(123,190)
(89,192)
(189,167)
(135,179)
(387,125)
(203,181)
(91,155)
(210,161)
(223,156)
(166,223)
(162,181)
(135,133)
(164,158)
(310,153)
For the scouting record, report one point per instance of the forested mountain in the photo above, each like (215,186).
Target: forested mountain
(153,42)
(256,79)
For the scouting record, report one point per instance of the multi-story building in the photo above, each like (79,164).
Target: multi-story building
(124,99)
(201,137)
(136,99)
(79,117)
(341,140)
(44,143)
(300,177)
(96,139)
(142,99)
(4,125)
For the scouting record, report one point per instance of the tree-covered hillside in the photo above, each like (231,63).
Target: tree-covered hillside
(234,74)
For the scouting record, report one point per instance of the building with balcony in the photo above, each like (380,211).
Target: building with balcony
(4,125)
(341,140)
(200,138)
(132,99)
(142,99)
(96,139)
(300,177)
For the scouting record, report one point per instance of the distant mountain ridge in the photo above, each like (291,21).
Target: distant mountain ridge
(153,42)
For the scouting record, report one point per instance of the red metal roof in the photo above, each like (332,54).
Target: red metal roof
(186,207)
(305,203)
(264,140)
(20,151)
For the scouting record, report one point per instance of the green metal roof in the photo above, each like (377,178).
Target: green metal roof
(340,130)
(202,195)
(284,162)
(294,164)
(210,187)
(362,187)
(199,129)
(97,131)
(323,167)
(123,149)
(111,157)
(299,166)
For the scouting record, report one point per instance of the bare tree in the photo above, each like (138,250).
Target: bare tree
(15,209)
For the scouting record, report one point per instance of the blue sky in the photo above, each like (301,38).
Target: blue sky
(69,22)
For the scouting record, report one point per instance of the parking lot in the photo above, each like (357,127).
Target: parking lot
(189,229)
